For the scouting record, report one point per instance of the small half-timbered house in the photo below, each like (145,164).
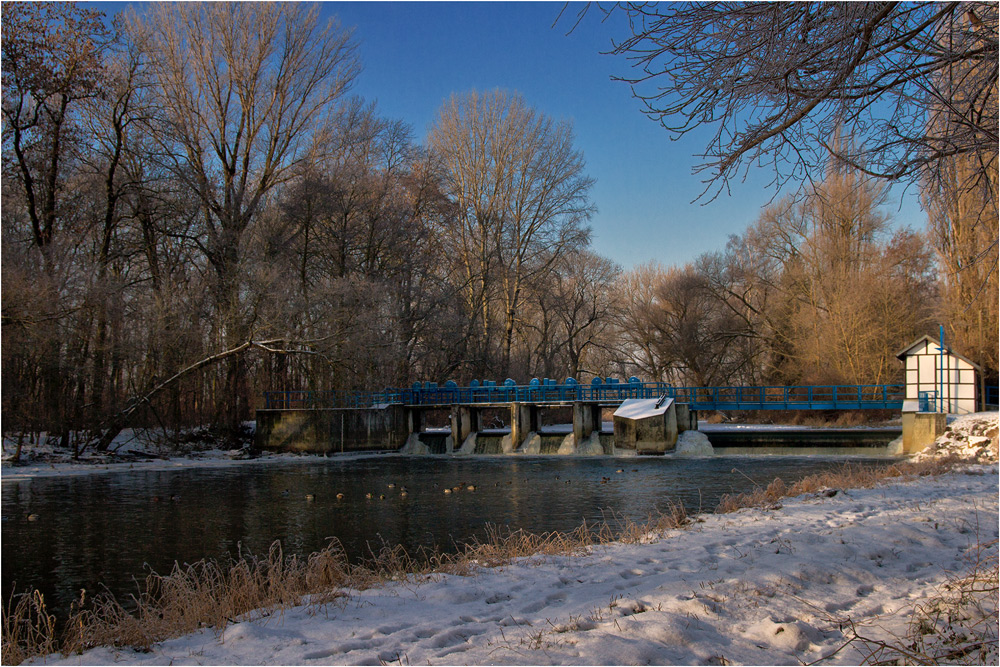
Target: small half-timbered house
(939,380)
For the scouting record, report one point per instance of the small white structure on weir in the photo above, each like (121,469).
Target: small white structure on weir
(938,380)
(647,425)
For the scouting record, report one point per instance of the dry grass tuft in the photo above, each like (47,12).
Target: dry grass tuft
(28,630)
(189,598)
(846,477)
(956,626)
(209,595)
(632,532)
(206,594)
(503,546)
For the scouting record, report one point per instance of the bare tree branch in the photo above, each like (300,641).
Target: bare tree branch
(777,79)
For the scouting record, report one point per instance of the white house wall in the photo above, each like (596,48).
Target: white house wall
(922,374)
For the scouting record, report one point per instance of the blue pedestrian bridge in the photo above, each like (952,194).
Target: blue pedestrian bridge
(602,391)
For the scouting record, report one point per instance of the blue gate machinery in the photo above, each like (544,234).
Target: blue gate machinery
(608,391)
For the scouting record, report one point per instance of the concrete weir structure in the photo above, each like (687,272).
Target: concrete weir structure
(525,434)
(547,417)
(649,425)
(402,427)
(323,431)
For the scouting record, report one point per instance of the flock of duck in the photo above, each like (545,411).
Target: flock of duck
(174,498)
(403,493)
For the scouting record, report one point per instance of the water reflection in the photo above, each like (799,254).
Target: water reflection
(111,528)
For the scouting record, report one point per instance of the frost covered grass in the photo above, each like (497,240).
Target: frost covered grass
(958,624)
(895,565)
(841,579)
(846,477)
(207,594)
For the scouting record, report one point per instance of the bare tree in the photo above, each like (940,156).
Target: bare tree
(773,79)
(569,314)
(698,336)
(248,91)
(522,199)
(584,305)
(965,241)
(960,197)
(114,120)
(823,288)
(861,290)
(52,62)
(639,347)
(364,226)
(748,276)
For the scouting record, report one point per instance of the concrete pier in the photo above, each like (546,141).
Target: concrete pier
(405,427)
(920,429)
(465,424)
(523,423)
(586,420)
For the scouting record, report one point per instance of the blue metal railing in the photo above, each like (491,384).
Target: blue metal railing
(847,397)
(992,395)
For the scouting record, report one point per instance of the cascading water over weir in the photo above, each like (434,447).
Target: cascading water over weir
(544,418)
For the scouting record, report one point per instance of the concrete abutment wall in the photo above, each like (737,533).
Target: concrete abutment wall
(394,427)
(333,430)
(920,429)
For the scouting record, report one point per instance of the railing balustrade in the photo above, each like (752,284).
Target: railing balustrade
(842,397)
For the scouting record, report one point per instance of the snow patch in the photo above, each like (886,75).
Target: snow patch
(641,408)
(968,437)
(779,586)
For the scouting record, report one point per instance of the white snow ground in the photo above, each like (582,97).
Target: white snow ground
(968,437)
(753,587)
(772,586)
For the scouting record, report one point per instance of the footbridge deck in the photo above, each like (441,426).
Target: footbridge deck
(604,392)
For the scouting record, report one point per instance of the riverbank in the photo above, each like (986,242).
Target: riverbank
(136,449)
(794,581)
(833,574)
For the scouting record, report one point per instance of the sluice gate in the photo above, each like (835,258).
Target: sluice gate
(501,419)
(417,429)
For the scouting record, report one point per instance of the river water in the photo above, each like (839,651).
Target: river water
(106,530)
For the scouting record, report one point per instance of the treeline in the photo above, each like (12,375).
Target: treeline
(196,209)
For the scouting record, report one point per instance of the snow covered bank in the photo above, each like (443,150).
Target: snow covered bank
(131,451)
(754,587)
(968,437)
(208,459)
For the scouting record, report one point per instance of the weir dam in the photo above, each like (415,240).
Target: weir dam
(544,418)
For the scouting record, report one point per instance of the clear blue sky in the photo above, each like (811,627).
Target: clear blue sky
(416,54)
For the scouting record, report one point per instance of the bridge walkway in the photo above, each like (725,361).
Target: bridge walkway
(608,393)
